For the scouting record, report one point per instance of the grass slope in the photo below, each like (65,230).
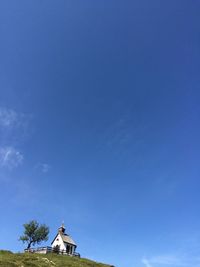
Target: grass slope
(9,259)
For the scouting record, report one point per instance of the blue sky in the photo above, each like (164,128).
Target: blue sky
(99,126)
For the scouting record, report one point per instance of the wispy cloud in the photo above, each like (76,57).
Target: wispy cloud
(10,118)
(146,262)
(170,260)
(184,250)
(14,126)
(7,117)
(43,167)
(10,157)
(13,131)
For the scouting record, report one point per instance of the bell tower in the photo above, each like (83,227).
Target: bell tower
(61,229)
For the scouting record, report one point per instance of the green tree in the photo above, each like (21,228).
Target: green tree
(34,233)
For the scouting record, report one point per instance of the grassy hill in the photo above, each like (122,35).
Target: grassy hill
(9,259)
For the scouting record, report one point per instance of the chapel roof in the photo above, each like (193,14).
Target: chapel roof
(67,239)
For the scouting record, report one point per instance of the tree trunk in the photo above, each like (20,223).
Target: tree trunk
(29,244)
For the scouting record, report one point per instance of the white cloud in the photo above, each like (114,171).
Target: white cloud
(8,117)
(168,260)
(146,263)
(45,167)
(13,122)
(10,157)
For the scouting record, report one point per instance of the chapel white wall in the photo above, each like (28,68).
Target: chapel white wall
(59,242)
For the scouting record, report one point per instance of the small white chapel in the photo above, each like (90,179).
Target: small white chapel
(63,242)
